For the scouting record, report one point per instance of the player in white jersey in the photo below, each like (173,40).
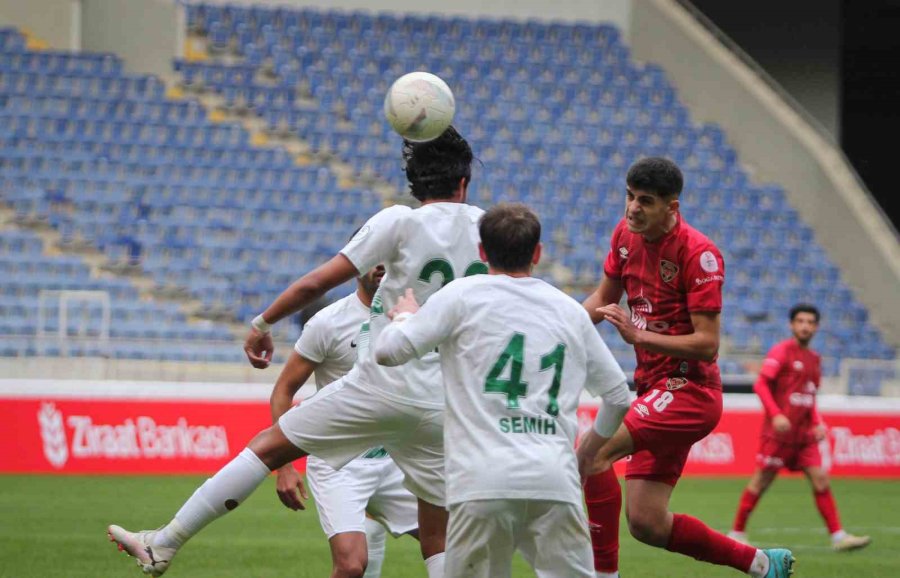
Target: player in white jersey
(515,354)
(398,408)
(371,483)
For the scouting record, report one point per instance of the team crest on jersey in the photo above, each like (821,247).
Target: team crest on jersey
(642,410)
(798,365)
(674,383)
(623,252)
(668,270)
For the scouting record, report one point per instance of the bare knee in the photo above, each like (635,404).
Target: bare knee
(349,566)
(650,527)
(273,448)
(760,481)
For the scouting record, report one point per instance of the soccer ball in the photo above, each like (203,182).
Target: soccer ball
(419,106)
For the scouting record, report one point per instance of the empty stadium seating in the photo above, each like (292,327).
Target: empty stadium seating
(555,113)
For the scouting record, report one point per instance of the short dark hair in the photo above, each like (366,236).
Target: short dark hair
(804,308)
(656,175)
(434,168)
(509,233)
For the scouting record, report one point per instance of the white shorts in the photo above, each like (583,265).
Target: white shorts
(552,536)
(343,420)
(373,485)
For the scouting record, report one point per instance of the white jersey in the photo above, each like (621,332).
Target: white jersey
(329,338)
(515,354)
(423,249)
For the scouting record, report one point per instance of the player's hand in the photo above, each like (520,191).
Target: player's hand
(621,321)
(290,488)
(259,348)
(406,304)
(781,424)
(820,432)
(586,454)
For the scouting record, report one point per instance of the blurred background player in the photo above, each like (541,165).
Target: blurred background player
(371,483)
(793,428)
(673,276)
(515,353)
(401,408)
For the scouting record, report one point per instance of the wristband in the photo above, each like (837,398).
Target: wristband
(401,317)
(260,324)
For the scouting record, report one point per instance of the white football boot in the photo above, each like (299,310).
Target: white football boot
(153,560)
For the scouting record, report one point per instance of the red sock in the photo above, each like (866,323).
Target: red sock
(692,537)
(603,497)
(745,508)
(828,509)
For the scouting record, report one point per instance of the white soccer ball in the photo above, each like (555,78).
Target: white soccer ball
(419,106)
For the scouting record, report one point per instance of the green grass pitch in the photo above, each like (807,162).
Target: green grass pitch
(55,526)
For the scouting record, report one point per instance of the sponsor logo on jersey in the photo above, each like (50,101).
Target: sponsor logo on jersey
(802,399)
(798,365)
(623,252)
(708,262)
(709,279)
(640,308)
(642,410)
(674,383)
(667,270)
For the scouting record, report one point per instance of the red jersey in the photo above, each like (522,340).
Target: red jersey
(787,384)
(665,281)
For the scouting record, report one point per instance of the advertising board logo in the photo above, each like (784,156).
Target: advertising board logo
(53,435)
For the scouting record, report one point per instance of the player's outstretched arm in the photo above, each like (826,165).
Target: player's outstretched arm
(289,485)
(414,332)
(608,292)
(258,344)
(702,344)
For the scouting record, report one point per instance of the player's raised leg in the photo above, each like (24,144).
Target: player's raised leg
(759,482)
(220,494)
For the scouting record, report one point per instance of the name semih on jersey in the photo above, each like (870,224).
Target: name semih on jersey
(538,425)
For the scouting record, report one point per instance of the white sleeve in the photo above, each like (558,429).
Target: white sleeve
(376,241)
(605,378)
(314,341)
(421,333)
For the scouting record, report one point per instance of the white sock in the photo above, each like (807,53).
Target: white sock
(607,575)
(760,565)
(376,536)
(217,496)
(435,566)
(838,536)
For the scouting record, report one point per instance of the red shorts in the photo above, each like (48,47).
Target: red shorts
(664,423)
(774,454)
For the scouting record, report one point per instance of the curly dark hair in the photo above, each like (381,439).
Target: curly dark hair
(656,175)
(434,168)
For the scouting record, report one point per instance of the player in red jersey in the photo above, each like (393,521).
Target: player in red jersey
(673,276)
(792,428)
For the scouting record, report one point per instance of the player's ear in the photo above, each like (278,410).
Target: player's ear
(674,205)
(536,258)
(463,189)
(481,254)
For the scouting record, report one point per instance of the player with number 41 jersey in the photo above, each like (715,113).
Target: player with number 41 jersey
(516,354)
